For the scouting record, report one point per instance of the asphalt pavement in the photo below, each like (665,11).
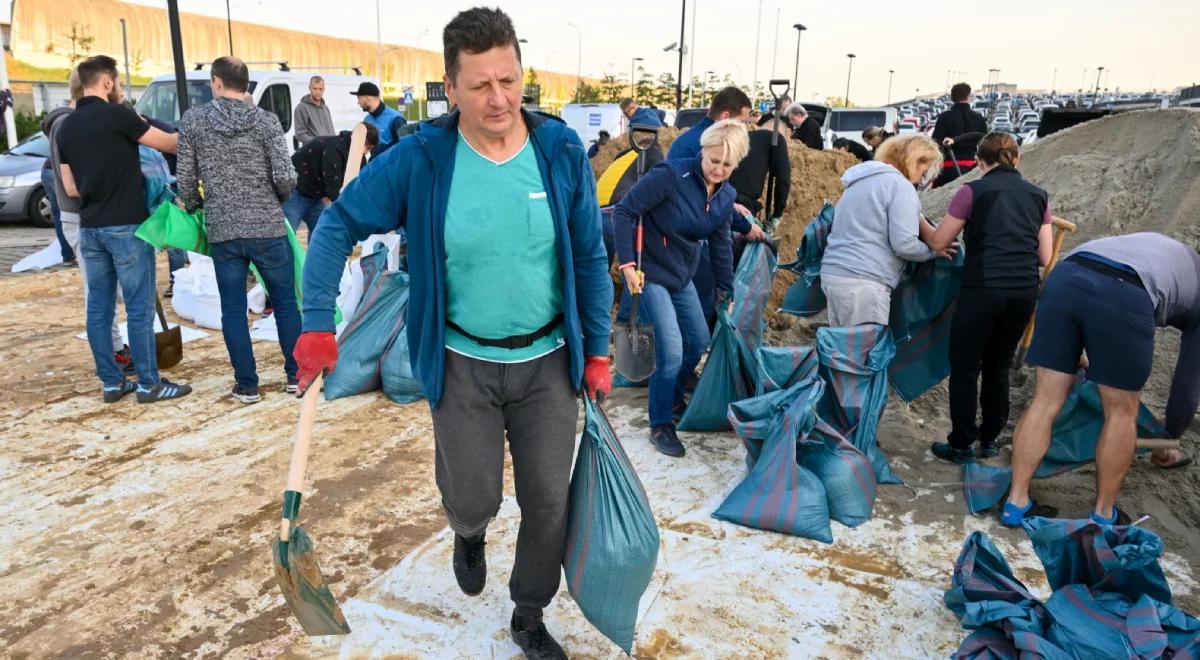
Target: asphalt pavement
(18,240)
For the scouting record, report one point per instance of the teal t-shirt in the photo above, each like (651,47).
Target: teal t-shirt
(502,270)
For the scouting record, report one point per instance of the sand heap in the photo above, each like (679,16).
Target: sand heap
(816,177)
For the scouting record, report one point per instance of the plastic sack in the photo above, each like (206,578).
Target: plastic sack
(196,297)
(854,365)
(922,308)
(612,538)
(1120,560)
(157,178)
(727,377)
(399,383)
(780,367)
(1101,624)
(805,297)
(1073,441)
(377,321)
(752,288)
(172,227)
(778,494)
(846,474)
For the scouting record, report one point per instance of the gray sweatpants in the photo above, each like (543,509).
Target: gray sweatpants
(534,404)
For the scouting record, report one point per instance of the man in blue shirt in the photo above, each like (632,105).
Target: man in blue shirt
(639,116)
(385,120)
(508,313)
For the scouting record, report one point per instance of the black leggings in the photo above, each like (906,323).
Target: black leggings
(984,333)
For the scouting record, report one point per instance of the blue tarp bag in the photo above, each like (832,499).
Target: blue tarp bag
(727,377)
(846,474)
(377,320)
(854,365)
(752,288)
(922,308)
(395,367)
(1120,560)
(157,178)
(1101,624)
(612,538)
(804,297)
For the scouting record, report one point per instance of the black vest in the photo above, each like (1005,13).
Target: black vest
(1001,236)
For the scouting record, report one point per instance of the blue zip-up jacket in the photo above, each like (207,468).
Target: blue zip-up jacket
(645,117)
(687,147)
(409,187)
(383,119)
(677,214)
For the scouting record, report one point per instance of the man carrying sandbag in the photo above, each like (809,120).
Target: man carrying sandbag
(509,293)
(240,153)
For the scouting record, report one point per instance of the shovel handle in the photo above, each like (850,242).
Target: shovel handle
(304,433)
(1061,227)
(1149,443)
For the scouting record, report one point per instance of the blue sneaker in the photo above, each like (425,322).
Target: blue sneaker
(1013,516)
(115,394)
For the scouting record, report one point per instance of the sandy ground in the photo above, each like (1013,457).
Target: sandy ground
(143,531)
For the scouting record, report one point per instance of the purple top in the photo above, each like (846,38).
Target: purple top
(964,200)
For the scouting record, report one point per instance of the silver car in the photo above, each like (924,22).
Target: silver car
(21,194)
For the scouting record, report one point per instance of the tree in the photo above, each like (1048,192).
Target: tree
(531,77)
(80,41)
(664,90)
(589,94)
(836,102)
(611,89)
(643,90)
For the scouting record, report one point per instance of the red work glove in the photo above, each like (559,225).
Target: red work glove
(315,352)
(597,379)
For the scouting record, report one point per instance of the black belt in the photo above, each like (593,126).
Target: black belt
(514,342)
(1104,269)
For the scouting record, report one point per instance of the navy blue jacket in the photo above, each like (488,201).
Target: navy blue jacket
(645,117)
(687,147)
(677,214)
(409,186)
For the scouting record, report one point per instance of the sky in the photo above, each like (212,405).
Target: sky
(1141,45)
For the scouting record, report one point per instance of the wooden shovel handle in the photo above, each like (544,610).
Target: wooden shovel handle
(1061,227)
(358,145)
(304,434)
(1150,443)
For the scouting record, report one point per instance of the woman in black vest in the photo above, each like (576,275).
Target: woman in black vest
(1007,236)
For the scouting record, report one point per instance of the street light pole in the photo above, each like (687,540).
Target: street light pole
(796,71)
(578,62)
(1097,92)
(378,45)
(692,57)
(682,47)
(891,75)
(849,69)
(125,43)
(704,89)
(775,50)
(632,64)
(757,47)
(229,25)
(1054,82)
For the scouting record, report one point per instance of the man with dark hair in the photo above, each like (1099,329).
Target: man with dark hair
(639,116)
(508,314)
(846,145)
(320,169)
(602,140)
(768,158)
(240,153)
(312,117)
(99,165)
(387,121)
(959,130)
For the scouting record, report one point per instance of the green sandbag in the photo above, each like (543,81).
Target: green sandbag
(173,227)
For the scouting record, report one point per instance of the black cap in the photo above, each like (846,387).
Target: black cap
(367,89)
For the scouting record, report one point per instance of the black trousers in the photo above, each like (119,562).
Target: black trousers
(984,333)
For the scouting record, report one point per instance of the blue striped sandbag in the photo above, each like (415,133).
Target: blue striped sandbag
(780,367)
(612,538)
(922,308)
(1072,444)
(854,364)
(728,376)
(846,473)
(751,289)
(1120,560)
(1101,624)
(804,297)
(376,322)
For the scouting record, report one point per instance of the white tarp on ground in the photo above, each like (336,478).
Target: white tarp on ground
(189,334)
(720,590)
(47,257)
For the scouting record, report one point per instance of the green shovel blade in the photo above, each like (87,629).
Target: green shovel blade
(304,589)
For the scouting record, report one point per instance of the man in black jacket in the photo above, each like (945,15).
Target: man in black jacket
(806,129)
(763,161)
(320,169)
(952,125)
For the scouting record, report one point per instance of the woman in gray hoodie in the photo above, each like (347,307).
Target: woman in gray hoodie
(876,228)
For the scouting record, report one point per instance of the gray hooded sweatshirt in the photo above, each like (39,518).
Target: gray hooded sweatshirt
(240,154)
(312,120)
(875,226)
(50,126)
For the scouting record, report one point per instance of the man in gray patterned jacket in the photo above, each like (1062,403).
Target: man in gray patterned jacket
(239,154)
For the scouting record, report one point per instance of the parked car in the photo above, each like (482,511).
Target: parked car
(849,122)
(689,117)
(21,193)
(907,128)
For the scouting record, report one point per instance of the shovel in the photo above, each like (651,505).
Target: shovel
(775,96)
(296,568)
(633,342)
(1061,227)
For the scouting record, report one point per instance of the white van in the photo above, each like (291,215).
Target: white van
(588,119)
(277,91)
(849,123)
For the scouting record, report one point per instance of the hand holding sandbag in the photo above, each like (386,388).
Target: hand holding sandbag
(597,378)
(315,352)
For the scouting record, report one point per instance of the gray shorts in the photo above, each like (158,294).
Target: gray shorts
(854,301)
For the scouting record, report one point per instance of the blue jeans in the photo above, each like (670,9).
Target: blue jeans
(302,207)
(273,258)
(115,256)
(52,196)
(680,338)
(176,259)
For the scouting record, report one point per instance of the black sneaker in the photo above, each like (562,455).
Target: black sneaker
(125,361)
(529,632)
(470,564)
(665,440)
(163,391)
(948,452)
(293,385)
(988,449)
(246,395)
(115,394)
